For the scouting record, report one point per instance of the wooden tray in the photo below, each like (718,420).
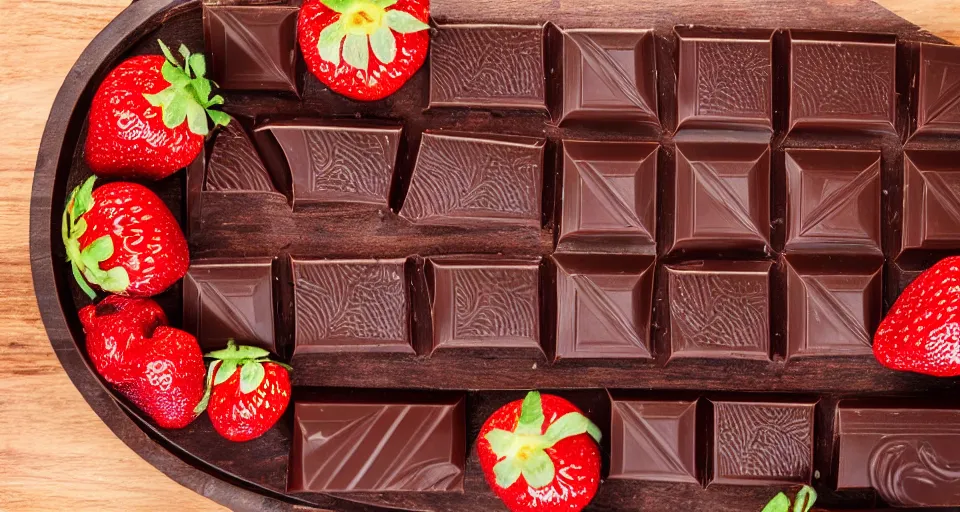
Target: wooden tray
(252,476)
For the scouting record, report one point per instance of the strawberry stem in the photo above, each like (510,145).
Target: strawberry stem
(249,360)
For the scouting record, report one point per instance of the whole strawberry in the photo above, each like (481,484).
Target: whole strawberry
(115,325)
(540,454)
(166,377)
(149,116)
(122,239)
(921,333)
(248,393)
(364,49)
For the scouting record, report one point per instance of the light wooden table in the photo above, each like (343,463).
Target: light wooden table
(55,454)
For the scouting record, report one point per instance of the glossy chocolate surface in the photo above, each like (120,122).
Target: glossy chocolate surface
(909,456)
(378,446)
(487,66)
(252,47)
(931,200)
(235,165)
(938,90)
(230,299)
(653,441)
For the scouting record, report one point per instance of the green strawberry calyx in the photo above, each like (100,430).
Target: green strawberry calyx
(85,261)
(248,360)
(188,96)
(364,25)
(804,501)
(523,451)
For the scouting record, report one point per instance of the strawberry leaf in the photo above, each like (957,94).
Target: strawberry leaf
(175,112)
(384,45)
(198,63)
(506,472)
(337,5)
(233,352)
(226,370)
(83,197)
(531,415)
(805,499)
(98,250)
(356,52)
(383,4)
(538,469)
(501,441)
(79,228)
(187,99)
(569,425)
(203,89)
(174,74)
(251,375)
(197,118)
(161,98)
(115,280)
(403,22)
(166,52)
(78,275)
(330,41)
(219,118)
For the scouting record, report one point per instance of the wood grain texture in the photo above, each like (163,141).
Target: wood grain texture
(55,453)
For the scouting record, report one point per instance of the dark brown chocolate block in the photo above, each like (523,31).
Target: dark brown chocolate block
(719,309)
(487,66)
(235,165)
(378,446)
(833,201)
(832,313)
(230,299)
(722,196)
(193,194)
(938,90)
(462,178)
(337,161)
(252,47)
(931,200)
(609,75)
(909,456)
(762,443)
(609,196)
(842,81)
(351,306)
(603,306)
(653,440)
(480,302)
(725,80)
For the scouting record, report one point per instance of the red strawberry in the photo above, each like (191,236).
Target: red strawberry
(921,333)
(247,392)
(149,116)
(123,239)
(168,377)
(364,49)
(112,327)
(539,454)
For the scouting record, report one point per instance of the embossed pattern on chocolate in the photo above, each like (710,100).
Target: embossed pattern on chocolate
(938,90)
(383,446)
(762,443)
(235,165)
(722,196)
(719,309)
(230,299)
(931,200)
(485,303)
(351,305)
(909,456)
(609,75)
(487,66)
(833,201)
(476,178)
(832,313)
(724,81)
(338,161)
(842,82)
(652,440)
(609,196)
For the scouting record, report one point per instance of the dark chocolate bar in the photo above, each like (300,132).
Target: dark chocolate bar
(487,66)
(938,90)
(931,200)
(351,306)
(193,194)
(654,441)
(378,446)
(235,165)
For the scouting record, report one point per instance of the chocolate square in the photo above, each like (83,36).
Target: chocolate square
(841,81)
(469,179)
(832,313)
(230,299)
(603,306)
(833,201)
(725,80)
(378,446)
(609,75)
(938,90)
(757,443)
(653,441)
(235,165)
(720,309)
(252,47)
(351,306)
(487,66)
(609,196)
(722,196)
(193,194)
(485,302)
(931,200)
